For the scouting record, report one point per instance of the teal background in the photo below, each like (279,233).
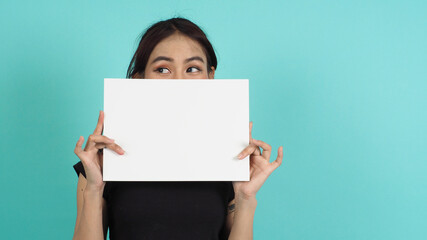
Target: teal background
(340,84)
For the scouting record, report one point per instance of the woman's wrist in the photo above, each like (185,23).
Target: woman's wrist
(245,202)
(243,218)
(93,191)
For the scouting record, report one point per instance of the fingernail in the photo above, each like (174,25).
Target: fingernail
(240,156)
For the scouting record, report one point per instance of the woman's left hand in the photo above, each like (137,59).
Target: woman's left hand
(260,167)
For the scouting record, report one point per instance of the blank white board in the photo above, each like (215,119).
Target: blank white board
(176,129)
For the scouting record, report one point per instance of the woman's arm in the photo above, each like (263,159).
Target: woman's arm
(243,218)
(230,216)
(91,221)
(245,191)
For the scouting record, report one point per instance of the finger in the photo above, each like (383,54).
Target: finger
(266,149)
(279,158)
(250,131)
(258,151)
(100,125)
(79,144)
(247,151)
(103,116)
(100,146)
(116,148)
(94,139)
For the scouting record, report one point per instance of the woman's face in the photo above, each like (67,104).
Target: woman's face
(178,57)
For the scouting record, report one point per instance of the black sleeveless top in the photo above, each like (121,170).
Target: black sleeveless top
(166,210)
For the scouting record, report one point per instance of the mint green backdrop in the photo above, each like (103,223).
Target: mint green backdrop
(341,84)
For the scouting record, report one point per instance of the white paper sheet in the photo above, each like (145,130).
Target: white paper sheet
(176,129)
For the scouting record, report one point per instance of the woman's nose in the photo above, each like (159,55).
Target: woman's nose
(178,75)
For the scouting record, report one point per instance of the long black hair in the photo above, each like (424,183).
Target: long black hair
(161,30)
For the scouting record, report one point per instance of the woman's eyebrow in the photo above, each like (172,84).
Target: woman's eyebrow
(194,58)
(160,58)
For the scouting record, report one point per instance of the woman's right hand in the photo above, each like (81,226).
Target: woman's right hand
(92,155)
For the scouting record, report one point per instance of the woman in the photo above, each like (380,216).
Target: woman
(175,49)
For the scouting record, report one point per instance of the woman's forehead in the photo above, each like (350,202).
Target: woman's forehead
(178,46)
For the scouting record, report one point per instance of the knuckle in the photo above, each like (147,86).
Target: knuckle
(77,153)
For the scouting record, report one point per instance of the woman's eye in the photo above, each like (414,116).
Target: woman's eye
(193,69)
(162,70)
